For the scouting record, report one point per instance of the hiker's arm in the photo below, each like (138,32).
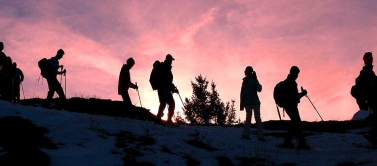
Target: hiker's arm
(132,85)
(242,96)
(61,72)
(21,75)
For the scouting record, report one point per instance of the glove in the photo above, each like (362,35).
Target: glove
(304,92)
(175,90)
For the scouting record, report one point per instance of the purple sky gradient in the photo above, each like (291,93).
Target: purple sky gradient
(218,39)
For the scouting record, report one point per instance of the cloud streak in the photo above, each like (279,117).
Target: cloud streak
(217,39)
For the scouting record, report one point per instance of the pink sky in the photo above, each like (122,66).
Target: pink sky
(218,39)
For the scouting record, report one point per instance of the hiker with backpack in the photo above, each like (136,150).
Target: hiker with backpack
(2,75)
(125,83)
(288,97)
(249,99)
(161,79)
(365,93)
(18,77)
(50,70)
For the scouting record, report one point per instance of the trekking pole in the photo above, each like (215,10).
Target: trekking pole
(312,104)
(65,83)
(138,94)
(23,92)
(278,111)
(179,95)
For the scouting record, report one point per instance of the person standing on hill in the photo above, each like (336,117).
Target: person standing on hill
(2,73)
(18,77)
(249,99)
(165,89)
(292,98)
(125,83)
(366,84)
(52,81)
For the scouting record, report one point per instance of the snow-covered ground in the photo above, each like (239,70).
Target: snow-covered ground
(84,139)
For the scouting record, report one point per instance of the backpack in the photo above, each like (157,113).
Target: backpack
(44,65)
(279,94)
(154,78)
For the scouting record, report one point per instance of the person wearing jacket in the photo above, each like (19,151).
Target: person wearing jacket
(165,90)
(52,81)
(18,77)
(367,83)
(125,83)
(250,100)
(291,108)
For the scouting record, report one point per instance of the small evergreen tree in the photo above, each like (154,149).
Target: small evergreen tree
(206,107)
(196,107)
(231,114)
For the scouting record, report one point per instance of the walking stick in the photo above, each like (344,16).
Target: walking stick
(312,104)
(65,83)
(138,94)
(179,96)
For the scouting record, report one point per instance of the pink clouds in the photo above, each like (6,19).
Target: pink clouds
(217,39)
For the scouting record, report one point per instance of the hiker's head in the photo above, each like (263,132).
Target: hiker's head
(14,64)
(59,54)
(1,46)
(368,58)
(249,71)
(169,59)
(130,62)
(294,71)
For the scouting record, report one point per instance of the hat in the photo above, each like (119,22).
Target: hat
(60,51)
(169,57)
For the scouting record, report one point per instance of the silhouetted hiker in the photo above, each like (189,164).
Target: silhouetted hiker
(52,81)
(249,99)
(163,82)
(18,77)
(292,98)
(125,83)
(7,79)
(2,75)
(365,92)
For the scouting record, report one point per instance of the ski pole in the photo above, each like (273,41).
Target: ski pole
(138,94)
(314,106)
(278,111)
(65,83)
(302,89)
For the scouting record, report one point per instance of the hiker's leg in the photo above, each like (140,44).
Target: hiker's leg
(161,108)
(258,120)
(16,92)
(126,102)
(171,107)
(51,90)
(246,128)
(58,88)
